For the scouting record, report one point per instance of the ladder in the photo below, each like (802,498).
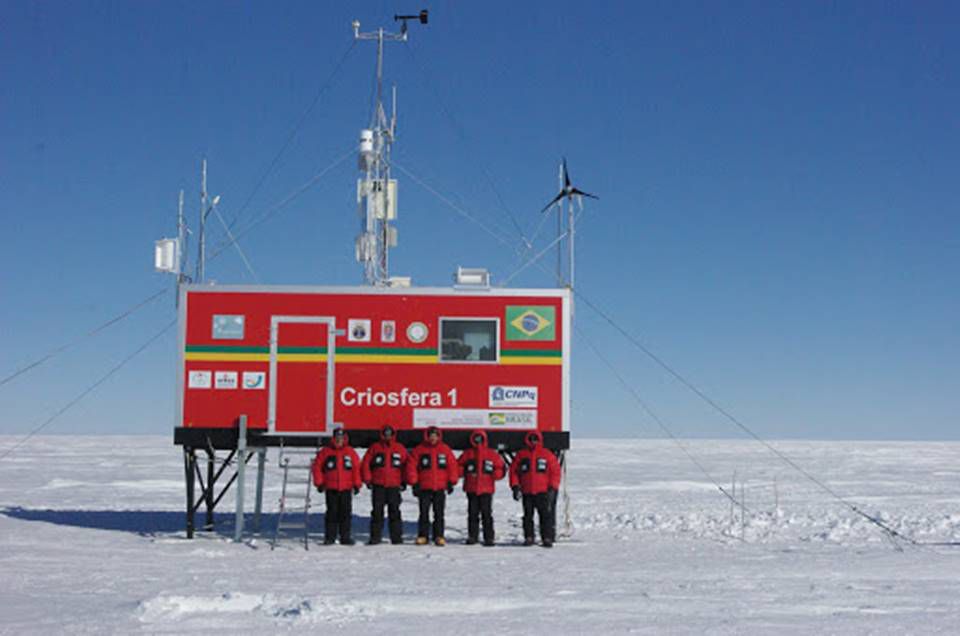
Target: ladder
(296,464)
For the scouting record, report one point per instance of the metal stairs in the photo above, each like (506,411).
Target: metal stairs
(296,464)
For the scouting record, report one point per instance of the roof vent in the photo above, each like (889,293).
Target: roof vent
(472,277)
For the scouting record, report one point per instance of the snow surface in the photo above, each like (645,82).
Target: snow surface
(92,541)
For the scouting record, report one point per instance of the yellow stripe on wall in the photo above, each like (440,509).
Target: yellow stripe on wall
(385,358)
(539,361)
(227,357)
(301,357)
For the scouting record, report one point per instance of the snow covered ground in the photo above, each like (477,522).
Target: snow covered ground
(92,541)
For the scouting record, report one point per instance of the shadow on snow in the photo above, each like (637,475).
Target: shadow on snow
(165,522)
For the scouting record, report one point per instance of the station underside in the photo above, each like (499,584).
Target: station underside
(227,439)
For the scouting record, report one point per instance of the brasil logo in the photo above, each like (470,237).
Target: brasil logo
(531,323)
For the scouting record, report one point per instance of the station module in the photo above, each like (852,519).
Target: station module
(283,366)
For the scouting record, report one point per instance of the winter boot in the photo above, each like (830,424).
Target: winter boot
(547,543)
(529,541)
(421,541)
(471,541)
(440,541)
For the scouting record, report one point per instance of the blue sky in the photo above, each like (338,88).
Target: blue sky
(778,216)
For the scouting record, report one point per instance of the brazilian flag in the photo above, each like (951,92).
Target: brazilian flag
(531,323)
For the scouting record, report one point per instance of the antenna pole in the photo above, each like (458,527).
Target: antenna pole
(560,230)
(202,258)
(376,191)
(181,247)
(571,222)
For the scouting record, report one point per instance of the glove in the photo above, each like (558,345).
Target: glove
(449,487)
(403,487)
(516,493)
(319,488)
(551,493)
(369,486)
(356,490)
(416,491)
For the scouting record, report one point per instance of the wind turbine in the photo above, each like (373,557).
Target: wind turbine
(567,192)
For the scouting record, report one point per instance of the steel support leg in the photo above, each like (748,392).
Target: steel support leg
(241,477)
(208,493)
(189,467)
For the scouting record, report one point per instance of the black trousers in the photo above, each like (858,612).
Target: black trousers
(480,507)
(437,500)
(543,504)
(339,515)
(389,497)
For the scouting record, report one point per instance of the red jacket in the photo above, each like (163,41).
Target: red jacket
(432,466)
(384,463)
(535,469)
(481,467)
(337,468)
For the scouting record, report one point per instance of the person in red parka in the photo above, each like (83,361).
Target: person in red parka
(535,477)
(336,471)
(432,470)
(382,472)
(481,467)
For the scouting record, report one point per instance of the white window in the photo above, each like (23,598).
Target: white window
(469,339)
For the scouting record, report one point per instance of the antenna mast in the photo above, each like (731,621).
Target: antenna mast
(376,191)
(207,206)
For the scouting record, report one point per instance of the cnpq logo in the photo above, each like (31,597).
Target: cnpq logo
(507,396)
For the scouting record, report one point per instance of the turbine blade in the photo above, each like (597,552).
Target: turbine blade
(584,194)
(566,175)
(554,200)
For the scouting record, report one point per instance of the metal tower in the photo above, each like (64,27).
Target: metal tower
(376,191)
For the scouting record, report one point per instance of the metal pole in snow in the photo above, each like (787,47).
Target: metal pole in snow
(733,500)
(258,503)
(241,465)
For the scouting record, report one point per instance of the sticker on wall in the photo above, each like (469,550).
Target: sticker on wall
(225,380)
(388,331)
(358,330)
(513,396)
(417,332)
(227,327)
(199,379)
(475,418)
(254,380)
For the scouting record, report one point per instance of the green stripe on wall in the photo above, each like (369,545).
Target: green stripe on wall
(223,349)
(539,353)
(404,351)
(361,350)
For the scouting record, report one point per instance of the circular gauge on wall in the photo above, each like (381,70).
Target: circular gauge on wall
(417,332)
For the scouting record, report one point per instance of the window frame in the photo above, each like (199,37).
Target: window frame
(494,319)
